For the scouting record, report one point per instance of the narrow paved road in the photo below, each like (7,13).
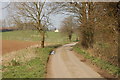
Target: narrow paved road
(65,64)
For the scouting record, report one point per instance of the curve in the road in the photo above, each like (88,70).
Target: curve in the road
(65,64)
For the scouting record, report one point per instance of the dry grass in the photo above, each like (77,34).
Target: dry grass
(21,55)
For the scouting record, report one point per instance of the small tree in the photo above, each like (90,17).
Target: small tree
(67,27)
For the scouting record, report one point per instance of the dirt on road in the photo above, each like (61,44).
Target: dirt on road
(65,64)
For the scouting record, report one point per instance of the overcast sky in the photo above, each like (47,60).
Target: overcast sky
(56,19)
(4,12)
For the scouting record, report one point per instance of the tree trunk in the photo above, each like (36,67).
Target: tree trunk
(43,40)
(77,39)
(70,37)
(118,18)
(87,37)
(88,31)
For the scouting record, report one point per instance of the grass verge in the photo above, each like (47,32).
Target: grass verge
(112,69)
(34,68)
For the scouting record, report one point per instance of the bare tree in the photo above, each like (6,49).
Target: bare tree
(67,27)
(36,12)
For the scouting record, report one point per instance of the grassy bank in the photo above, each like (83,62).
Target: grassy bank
(112,69)
(34,68)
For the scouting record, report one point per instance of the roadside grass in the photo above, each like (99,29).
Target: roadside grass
(112,69)
(34,68)
(30,35)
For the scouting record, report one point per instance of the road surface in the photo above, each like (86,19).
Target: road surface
(65,64)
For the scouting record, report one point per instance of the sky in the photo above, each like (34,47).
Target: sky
(56,19)
(4,12)
(0,10)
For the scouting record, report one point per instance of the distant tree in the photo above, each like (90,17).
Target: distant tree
(67,27)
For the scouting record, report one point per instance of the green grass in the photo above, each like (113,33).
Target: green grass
(35,68)
(24,35)
(29,35)
(112,69)
(54,37)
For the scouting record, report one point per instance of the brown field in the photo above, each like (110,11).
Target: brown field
(13,45)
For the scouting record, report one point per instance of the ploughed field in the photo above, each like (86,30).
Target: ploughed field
(14,45)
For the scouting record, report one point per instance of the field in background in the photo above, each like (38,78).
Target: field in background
(16,40)
(29,35)
(13,45)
